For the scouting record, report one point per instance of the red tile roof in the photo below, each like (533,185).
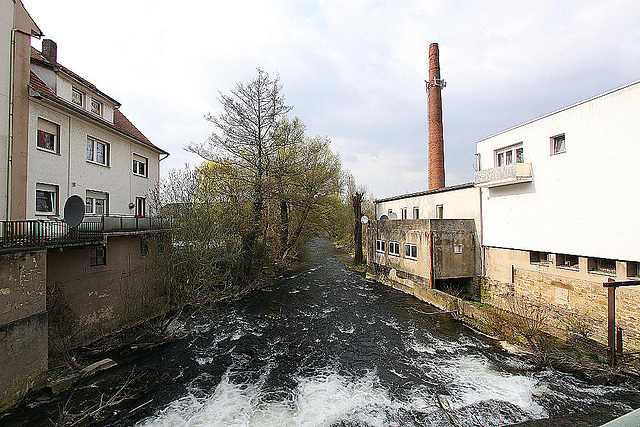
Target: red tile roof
(120,121)
(37,55)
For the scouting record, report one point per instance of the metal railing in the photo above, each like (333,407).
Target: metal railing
(42,233)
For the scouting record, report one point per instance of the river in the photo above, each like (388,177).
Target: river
(325,347)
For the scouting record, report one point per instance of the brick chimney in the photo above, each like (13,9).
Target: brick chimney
(50,50)
(436,136)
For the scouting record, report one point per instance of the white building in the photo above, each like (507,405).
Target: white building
(80,143)
(559,206)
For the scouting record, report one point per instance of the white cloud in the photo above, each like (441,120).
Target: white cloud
(354,70)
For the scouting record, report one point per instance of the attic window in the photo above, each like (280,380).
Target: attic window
(77,97)
(96,107)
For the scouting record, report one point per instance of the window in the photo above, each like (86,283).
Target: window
(567,261)
(46,199)
(140,166)
(557,144)
(510,155)
(404,213)
(457,249)
(98,255)
(97,152)
(633,269)
(144,246)
(96,203)
(77,97)
(140,206)
(394,248)
(602,265)
(48,134)
(439,211)
(536,257)
(410,251)
(380,246)
(416,212)
(96,107)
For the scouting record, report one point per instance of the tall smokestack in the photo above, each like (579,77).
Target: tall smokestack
(436,137)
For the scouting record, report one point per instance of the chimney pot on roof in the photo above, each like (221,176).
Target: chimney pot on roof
(50,50)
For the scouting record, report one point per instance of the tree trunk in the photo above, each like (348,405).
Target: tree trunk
(356,200)
(284,226)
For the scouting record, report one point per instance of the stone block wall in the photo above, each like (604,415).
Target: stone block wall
(575,300)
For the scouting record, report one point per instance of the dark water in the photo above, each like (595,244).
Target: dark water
(328,348)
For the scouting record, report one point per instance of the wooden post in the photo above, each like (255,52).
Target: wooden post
(611,323)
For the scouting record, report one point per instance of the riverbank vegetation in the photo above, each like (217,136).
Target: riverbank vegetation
(264,186)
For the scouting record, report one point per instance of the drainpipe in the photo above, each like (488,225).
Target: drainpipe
(10,124)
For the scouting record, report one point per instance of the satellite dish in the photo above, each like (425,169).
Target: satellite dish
(393,215)
(364,219)
(74,211)
(384,218)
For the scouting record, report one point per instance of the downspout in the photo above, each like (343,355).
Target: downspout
(68,159)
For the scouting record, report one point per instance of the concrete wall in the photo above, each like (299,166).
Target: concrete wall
(461,203)
(71,171)
(23,325)
(87,302)
(435,240)
(6,27)
(450,263)
(579,202)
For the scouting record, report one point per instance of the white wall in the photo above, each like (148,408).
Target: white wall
(64,88)
(73,174)
(6,26)
(582,202)
(462,203)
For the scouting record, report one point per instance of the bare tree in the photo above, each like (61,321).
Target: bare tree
(356,196)
(242,136)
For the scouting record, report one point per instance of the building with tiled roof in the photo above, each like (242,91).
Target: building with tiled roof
(80,143)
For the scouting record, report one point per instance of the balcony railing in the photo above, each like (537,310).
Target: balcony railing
(46,233)
(504,175)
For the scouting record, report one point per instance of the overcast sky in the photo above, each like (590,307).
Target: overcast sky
(353,70)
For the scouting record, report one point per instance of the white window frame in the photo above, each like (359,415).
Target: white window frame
(509,155)
(94,151)
(380,246)
(52,193)
(53,130)
(141,207)
(95,102)
(439,211)
(457,248)
(554,146)
(394,248)
(409,250)
(416,212)
(92,201)
(403,213)
(136,165)
(79,92)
